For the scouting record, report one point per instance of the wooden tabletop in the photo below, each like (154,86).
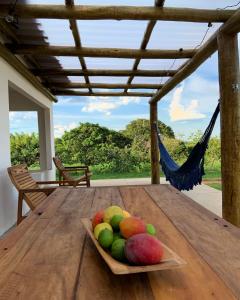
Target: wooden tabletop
(49,256)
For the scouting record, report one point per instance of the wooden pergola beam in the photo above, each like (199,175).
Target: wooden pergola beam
(229,80)
(105,72)
(155,168)
(77,40)
(76,85)
(20,67)
(66,92)
(101,52)
(146,38)
(203,53)
(86,12)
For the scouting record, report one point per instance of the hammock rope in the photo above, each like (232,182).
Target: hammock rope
(190,173)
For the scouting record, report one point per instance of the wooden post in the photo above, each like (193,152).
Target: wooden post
(230,125)
(155,175)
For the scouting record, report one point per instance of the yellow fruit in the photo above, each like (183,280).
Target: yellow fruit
(126,214)
(100,227)
(110,212)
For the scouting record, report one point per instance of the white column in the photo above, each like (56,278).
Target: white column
(46,141)
(8,198)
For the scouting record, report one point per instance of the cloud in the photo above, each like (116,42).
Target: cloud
(19,116)
(179,112)
(60,129)
(105,105)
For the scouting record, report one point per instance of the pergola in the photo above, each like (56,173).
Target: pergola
(24,47)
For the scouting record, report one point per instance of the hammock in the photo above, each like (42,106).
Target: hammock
(186,176)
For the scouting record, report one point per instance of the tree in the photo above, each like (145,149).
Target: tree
(82,144)
(24,148)
(177,149)
(213,153)
(142,127)
(139,131)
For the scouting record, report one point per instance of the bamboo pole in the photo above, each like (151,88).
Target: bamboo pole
(77,40)
(145,41)
(203,53)
(146,38)
(20,67)
(155,174)
(101,52)
(80,85)
(85,12)
(103,72)
(9,34)
(61,92)
(229,79)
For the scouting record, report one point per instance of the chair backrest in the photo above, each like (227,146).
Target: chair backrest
(22,179)
(58,163)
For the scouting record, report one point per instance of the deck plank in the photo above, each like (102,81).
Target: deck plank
(49,268)
(218,245)
(96,280)
(50,256)
(196,280)
(49,206)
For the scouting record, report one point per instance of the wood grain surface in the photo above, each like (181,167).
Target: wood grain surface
(49,256)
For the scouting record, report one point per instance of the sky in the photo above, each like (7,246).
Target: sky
(186,109)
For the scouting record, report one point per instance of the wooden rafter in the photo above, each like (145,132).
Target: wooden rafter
(85,12)
(62,92)
(102,52)
(146,38)
(103,85)
(103,72)
(77,40)
(203,53)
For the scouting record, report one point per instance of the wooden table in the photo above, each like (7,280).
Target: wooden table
(49,256)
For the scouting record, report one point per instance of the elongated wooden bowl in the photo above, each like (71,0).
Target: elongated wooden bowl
(170,259)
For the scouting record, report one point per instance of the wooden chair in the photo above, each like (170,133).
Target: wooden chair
(29,189)
(65,173)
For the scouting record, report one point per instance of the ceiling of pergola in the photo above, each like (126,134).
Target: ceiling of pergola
(60,73)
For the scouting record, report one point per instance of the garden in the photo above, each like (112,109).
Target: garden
(115,154)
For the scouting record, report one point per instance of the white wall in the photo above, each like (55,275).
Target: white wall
(8,196)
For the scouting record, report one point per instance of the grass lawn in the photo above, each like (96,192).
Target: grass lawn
(217,186)
(142,174)
(210,174)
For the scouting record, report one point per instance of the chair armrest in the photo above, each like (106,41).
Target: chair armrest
(46,191)
(77,167)
(55,182)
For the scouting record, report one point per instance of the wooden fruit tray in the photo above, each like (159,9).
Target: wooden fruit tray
(170,259)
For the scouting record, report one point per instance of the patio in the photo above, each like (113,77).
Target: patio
(49,256)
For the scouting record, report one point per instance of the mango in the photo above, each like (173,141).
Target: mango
(126,214)
(98,218)
(131,226)
(143,249)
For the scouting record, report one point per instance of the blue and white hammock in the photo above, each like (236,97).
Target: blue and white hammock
(186,176)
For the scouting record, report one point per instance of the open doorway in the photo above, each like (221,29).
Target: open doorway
(30,142)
